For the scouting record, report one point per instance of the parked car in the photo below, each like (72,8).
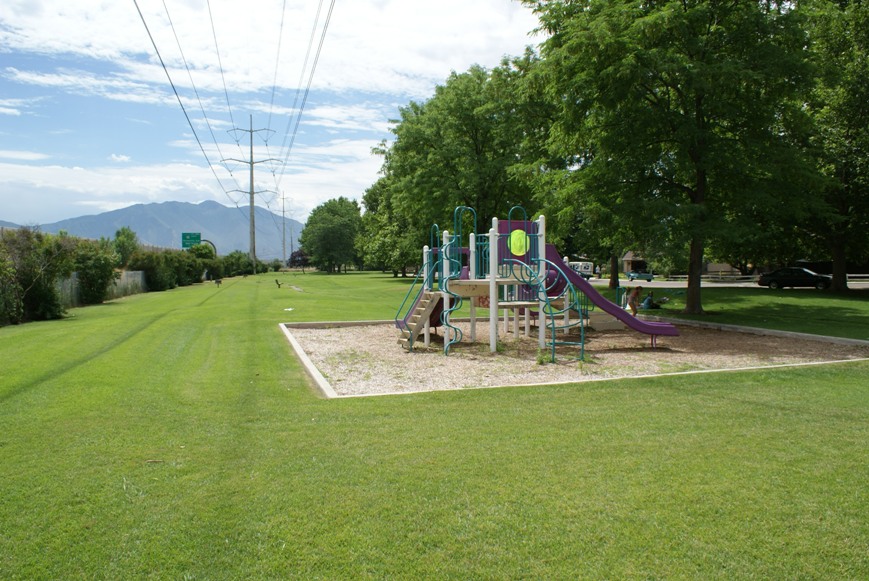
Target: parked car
(585,269)
(641,275)
(794,277)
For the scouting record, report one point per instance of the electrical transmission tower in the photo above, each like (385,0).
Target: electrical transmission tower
(251,163)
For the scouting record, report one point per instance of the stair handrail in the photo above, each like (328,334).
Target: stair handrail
(452,254)
(426,275)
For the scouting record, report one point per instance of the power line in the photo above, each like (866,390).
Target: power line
(193,85)
(178,97)
(298,85)
(277,64)
(220,65)
(307,89)
(297,113)
(294,120)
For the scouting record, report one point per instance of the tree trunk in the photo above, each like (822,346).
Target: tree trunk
(840,265)
(693,304)
(614,271)
(697,152)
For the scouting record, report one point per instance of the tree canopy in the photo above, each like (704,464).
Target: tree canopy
(839,107)
(126,243)
(330,235)
(679,117)
(686,130)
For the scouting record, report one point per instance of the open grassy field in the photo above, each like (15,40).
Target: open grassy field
(175,436)
(799,310)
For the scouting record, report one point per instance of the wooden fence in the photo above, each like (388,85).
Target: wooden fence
(131,282)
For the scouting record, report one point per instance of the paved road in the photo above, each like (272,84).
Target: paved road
(663,283)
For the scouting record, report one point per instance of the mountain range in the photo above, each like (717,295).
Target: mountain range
(161,225)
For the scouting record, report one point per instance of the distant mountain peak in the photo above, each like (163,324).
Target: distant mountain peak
(162,223)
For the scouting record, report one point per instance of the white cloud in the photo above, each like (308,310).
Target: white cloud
(384,46)
(340,168)
(15,107)
(23,155)
(119,158)
(358,117)
(89,83)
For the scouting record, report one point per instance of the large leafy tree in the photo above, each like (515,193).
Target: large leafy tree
(840,109)
(456,149)
(387,242)
(676,114)
(329,237)
(126,243)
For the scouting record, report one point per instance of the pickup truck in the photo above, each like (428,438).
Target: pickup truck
(637,275)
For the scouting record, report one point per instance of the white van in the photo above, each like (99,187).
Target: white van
(586,269)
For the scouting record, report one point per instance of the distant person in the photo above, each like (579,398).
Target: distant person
(597,270)
(634,299)
(649,302)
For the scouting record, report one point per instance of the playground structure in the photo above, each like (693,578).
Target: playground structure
(510,269)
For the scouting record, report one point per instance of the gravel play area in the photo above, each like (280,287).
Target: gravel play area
(368,360)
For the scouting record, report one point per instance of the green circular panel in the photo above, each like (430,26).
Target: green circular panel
(519,243)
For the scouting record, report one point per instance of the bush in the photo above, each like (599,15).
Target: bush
(214,268)
(31,263)
(11,307)
(166,269)
(94,263)
(159,275)
(237,263)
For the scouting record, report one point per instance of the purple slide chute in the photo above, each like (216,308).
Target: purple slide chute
(647,327)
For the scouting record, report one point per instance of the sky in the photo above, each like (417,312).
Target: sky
(90,122)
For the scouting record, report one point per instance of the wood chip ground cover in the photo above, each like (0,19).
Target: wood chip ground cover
(367,360)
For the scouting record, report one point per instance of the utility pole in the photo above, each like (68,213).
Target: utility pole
(284,230)
(251,163)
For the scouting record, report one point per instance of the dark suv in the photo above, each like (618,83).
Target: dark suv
(794,277)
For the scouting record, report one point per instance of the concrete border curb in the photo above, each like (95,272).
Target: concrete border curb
(322,383)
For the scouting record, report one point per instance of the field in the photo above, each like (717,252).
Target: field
(174,435)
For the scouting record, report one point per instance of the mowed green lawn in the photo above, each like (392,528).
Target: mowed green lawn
(175,436)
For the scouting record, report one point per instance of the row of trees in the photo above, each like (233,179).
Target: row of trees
(688,130)
(33,262)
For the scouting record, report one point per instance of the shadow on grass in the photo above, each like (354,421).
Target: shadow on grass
(797,310)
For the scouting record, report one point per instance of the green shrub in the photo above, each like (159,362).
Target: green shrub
(33,262)
(159,275)
(94,263)
(11,307)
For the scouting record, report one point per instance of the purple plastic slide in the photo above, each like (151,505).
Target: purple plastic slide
(648,327)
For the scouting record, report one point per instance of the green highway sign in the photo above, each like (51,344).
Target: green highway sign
(190,239)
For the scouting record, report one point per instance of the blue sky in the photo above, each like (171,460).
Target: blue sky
(89,122)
